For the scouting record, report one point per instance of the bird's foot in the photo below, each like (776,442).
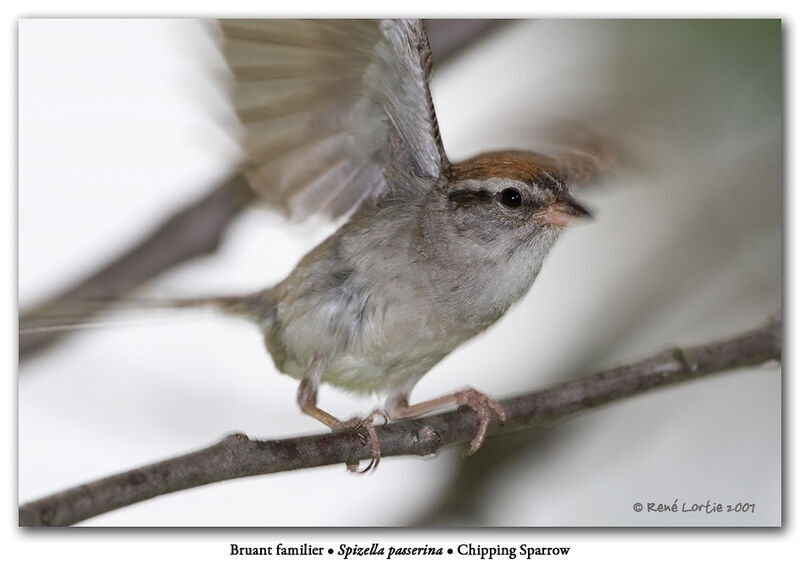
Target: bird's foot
(484,406)
(365,428)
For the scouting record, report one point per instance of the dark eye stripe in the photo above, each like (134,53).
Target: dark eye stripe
(466,197)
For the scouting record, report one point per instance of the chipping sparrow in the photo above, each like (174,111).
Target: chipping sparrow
(338,118)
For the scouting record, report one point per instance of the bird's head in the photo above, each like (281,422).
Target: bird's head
(510,198)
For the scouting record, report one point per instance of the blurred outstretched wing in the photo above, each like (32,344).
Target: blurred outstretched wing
(334,111)
(583,156)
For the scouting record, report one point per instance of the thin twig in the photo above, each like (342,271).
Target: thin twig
(237,456)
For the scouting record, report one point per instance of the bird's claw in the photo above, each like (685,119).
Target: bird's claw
(484,406)
(365,428)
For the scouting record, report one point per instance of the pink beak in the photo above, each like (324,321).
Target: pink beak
(562,212)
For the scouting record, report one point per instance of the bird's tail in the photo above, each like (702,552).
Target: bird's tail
(249,306)
(86,312)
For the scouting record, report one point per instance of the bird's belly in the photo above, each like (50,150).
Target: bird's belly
(377,375)
(366,373)
(388,346)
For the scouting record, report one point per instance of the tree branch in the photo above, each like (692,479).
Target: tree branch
(237,456)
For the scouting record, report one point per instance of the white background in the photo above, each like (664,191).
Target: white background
(123,124)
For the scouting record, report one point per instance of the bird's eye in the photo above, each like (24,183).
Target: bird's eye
(511,197)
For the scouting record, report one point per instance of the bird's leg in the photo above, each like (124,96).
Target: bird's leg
(398,408)
(307,399)
(308,391)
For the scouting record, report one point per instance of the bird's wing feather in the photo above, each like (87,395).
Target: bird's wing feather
(578,154)
(334,111)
